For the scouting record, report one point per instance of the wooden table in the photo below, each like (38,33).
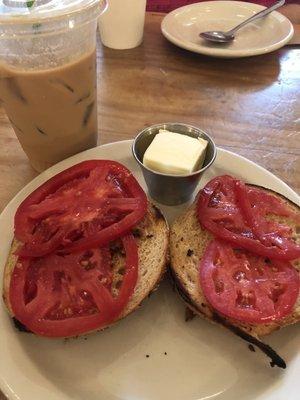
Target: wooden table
(250,106)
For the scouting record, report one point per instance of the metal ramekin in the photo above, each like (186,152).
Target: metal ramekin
(171,189)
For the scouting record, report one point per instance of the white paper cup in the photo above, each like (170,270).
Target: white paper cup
(122,25)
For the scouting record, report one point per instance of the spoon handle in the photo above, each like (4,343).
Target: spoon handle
(260,14)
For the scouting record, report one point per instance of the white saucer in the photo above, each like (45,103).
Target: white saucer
(182,27)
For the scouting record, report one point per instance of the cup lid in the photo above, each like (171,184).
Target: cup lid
(24,11)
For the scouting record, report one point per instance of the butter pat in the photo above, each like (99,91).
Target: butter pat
(174,153)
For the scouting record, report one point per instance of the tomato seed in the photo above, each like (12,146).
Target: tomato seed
(239,276)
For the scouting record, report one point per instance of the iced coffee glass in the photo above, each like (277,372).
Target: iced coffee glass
(48,84)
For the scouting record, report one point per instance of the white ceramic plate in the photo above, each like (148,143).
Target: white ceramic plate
(203,361)
(182,27)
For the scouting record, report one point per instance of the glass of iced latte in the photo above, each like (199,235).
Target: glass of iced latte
(48,84)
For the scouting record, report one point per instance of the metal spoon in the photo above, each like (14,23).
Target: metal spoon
(223,37)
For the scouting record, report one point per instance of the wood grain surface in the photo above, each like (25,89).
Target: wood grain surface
(250,106)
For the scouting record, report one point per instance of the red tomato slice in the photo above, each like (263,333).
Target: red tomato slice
(239,214)
(87,205)
(247,287)
(70,294)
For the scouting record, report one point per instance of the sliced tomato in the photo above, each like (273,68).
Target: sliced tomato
(87,205)
(71,294)
(240,214)
(246,287)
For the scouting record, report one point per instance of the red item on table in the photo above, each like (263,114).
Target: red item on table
(169,5)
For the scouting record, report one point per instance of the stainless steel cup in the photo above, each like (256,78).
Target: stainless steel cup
(167,188)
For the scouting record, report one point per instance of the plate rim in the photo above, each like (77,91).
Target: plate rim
(225,53)
(4,385)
